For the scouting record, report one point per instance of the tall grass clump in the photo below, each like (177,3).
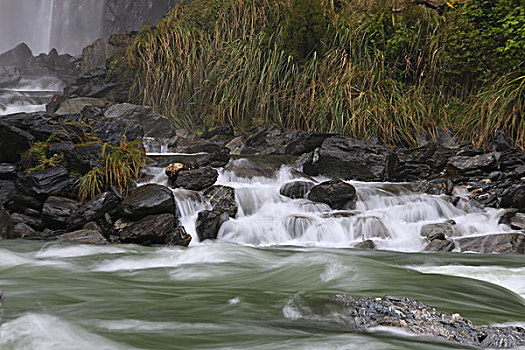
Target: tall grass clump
(360,68)
(121,166)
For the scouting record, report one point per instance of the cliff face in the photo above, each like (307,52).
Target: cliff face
(123,15)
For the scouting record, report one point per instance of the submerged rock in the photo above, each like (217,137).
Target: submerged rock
(415,317)
(368,244)
(296,189)
(438,231)
(337,194)
(510,243)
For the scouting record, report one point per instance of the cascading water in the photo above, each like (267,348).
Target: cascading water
(67,25)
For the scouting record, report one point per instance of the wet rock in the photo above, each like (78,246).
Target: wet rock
(32,221)
(7,171)
(114,130)
(337,194)
(193,146)
(153,229)
(517,222)
(47,182)
(7,191)
(153,124)
(222,198)
(216,159)
(439,231)
(208,223)
(296,189)
(439,245)
(460,165)
(415,317)
(296,225)
(180,237)
(82,158)
(247,168)
(514,197)
(147,200)
(269,141)
(77,104)
(24,231)
(306,142)
(371,227)
(236,146)
(368,244)
(93,210)
(173,169)
(13,142)
(509,243)
(83,236)
(6,224)
(224,133)
(345,158)
(56,211)
(195,179)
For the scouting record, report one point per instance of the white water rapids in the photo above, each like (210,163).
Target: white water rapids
(389,214)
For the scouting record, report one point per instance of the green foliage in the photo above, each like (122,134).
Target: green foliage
(121,167)
(305,28)
(37,154)
(485,39)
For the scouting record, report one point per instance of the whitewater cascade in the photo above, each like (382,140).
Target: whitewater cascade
(67,25)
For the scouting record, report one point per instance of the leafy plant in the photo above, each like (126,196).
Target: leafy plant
(121,167)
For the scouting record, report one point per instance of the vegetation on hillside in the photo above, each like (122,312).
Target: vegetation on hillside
(395,70)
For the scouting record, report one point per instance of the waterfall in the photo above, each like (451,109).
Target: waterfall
(67,25)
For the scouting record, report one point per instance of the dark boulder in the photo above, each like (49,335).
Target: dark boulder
(216,159)
(93,210)
(82,158)
(192,146)
(46,182)
(83,236)
(368,244)
(518,221)
(337,194)
(114,130)
(461,165)
(147,200)
(209,223)
(180,237)
(222,198)
(153,229)
(56,212)
(248,168)
(7,191)
(514,197)
(296,189)
(6,224)
(438,245)
(439,231)
(344,158)
(305,142)
(195,179)
(509,243)
(34,222)
(13,142)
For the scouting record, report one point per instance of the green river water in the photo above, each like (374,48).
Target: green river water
(222,295)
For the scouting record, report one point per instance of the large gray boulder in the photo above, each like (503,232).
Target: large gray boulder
(147,200)
(153,229)
(195,179)
(153,124)
(95,55)
(345,158)
(222,198)
(93,210)
(460,165)
(57,211)
(209,223)
(296,189)
(509,243)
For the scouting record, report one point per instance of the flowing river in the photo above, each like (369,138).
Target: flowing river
(254,288)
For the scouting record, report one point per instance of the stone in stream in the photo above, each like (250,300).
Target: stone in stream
(296,225)
(6,224)
(173,169)
(518,221)
(337,194)
(147,200)
(194,179)
(208,223)
(415,317)
(296,189)
(93,210)
(344,158)
(367,244)
(514,197)
(222,198)
(441,246)
(439,231)
(83,236)
(56,211)
(180,237)
(371,227)
(153,229)
(509,243)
